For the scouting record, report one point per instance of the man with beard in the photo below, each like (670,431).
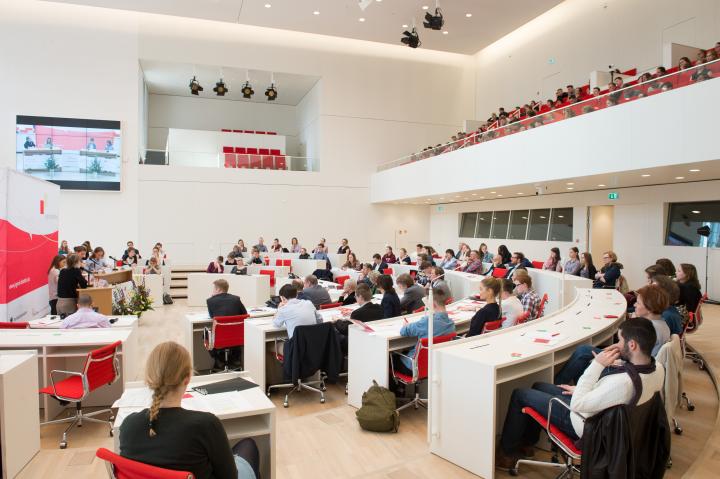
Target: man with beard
(608,381)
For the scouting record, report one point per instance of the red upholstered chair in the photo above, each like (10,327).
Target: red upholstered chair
(266,261)
(499,273)
(255,161)
(264,151)
(230,161)
(573,455)
(330,305)
(419,368)
(287,262)
(341,280)
(278,262)
(241,150)
(119,467)
(272,133)
(537,264)
(228,149)
(271,273)
(243,161)
(413,263)
(14,325)
(224,130)
(237,131)
(523,317)
(268,162)
(227,332)
(275,152)
(541,306)
(248,131)
(388,271)
(493,325)
(280,163)
(259,132)
(119,263)
(252,151)
(101,368)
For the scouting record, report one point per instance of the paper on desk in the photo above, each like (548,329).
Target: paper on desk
(46,321)
(134,397)
(544,337)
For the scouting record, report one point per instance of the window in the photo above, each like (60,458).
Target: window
(685,218)
(539,221)
(467,225)
(483,224)
(561,224)
(500,224)
(518,224)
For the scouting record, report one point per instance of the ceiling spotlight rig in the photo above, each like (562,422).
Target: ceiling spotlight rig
(247,91)
(195,87)
(271,92)
(220,88)
(434,22)
(411,38)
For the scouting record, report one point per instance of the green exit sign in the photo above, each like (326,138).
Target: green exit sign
(613,196)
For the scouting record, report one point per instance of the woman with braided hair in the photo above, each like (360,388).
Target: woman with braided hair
(168,436)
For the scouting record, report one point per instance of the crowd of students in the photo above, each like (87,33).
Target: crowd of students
(518,119)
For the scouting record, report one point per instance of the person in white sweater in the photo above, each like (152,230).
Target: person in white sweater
(607,382)
(512,308)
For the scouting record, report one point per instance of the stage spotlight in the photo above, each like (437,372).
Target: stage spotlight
(411,39)
(247,91)
(195,87)
(271,93)
(220,88)
(434,22)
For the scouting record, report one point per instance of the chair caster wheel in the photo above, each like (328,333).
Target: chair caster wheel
(691,407)
(267,394)
(112,434)
(513,472)
(322,400)
(323,388)
(285,405)
(63,445)
(678,430)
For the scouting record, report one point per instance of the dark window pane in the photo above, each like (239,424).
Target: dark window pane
(500,224)
(539,221)
(518,224)
(483,224)
(467,225)
(685,218)
(561,224)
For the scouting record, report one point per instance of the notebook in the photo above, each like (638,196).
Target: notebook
(235,384)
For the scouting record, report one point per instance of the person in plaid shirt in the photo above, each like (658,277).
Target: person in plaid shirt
(528,297)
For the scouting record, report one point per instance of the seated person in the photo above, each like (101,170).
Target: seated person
(97,262)
(168,436)
(352,263)
(518,261)
(239,268)
(303,254)
(435,280)
(231,259)
(489,291)
(511,306)
(131,257)
(609,273)
(528,297)
(598,389)
(389,256)
(413,294)
(255,257)
(85,316)
(294,312)
(474,264)
(348,296)
(368,311)
(442,325)
(276,247)
(403,257)
(261,245)
(378,264)
(315,293)
(390,301)
(364,273)
(423,276)
(153,267)
(449,261)
(690,291)
(496,263)
(320,253)
(216,266)
(670,315)
(651,301)
(222,303)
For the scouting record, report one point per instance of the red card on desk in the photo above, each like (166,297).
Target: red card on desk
(541,340)
(187,396)
(611,316)
(365,327)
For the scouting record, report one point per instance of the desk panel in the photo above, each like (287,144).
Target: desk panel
(254,290)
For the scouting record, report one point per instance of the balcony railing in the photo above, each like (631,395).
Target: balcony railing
(626,94)
(214,159)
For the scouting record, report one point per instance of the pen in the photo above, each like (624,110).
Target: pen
(480,346)
(561,321)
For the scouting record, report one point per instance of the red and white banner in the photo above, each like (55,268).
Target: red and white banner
(28,242)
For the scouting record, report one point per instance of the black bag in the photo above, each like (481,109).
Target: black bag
(167,299)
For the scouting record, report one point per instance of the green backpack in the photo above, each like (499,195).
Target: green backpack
(378,412)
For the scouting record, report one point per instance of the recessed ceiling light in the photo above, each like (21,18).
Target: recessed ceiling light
(445,32)
(468,15)
(442,197)
(425,7)
(519,192)
(679,177)
(645,175)
(561,216)
(570,188)
(570,184)
(601,185)
(695,212)
(404,26)
(457,196)
(316,12)
(482,197)
(493,192)
(474,194)
(499,195)
(694,170)
(267,5)
(361,19)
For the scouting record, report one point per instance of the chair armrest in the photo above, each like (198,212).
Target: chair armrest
(277,342)
(86,387)
(208,340)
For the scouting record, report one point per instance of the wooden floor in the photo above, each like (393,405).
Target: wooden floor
(323,440)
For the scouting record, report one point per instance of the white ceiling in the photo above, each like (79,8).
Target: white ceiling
(603,184)
(165,78)
(490,21)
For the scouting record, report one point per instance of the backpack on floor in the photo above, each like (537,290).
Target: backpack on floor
(378,412)
(167,299)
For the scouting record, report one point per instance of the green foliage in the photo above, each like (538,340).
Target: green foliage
(95,166)
(51,164)
(134,303)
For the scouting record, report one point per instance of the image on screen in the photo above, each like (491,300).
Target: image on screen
(76,154)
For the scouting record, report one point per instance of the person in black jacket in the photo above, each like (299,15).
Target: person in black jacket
(221,303)
(489,291)
(348,296)
(70,280)
(378,264)
(390,301)
(368,311)
(610,273)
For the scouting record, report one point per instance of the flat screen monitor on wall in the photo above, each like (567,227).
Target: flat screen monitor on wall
(74,153)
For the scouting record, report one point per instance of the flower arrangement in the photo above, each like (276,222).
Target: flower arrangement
(95,167)
(51,164)
(133,300)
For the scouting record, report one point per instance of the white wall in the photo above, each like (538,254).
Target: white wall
(566,43)
(639,226)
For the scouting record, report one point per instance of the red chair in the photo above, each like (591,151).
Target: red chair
(243,161)
(419,368)
(271,273)
(388,271)
(259,132)
(225,130)
(541,306)
(252,151)
(413,274)
(101,368)
(275,152)
(493,325)
(241,150)
(573,455)
(330,305)
(537,264)
(119,467)
(280,163)
(278,262)
(499,273)
(230,161)
(14,325)
(413,263)
(264,151)
(227,332)
(287,262)
(268,162)
(255,161)
(523,317)
(228,149)
(119,263)
(341,280)
(271,133)
(449,300)
(248,131)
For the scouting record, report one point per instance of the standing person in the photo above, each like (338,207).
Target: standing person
(390,300)
(609,273)
(131,245)
(389,256)
(344,247)
(489,291)
(587,268)
(485,255)
(261,245)
(553,263)
(572,265)
(403,257)
(56,265)
(167,435)
(70,279)
(64,248)
(216,266)
(294,245)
